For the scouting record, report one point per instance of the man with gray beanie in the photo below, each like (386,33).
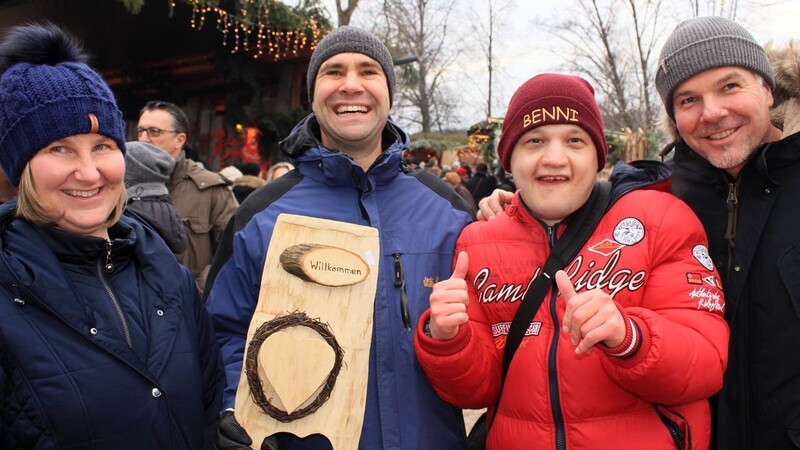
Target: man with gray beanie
(348,156)
(742,178)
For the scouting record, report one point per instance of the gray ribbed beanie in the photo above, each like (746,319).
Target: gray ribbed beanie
(705,43)
(147,169)
(349,39)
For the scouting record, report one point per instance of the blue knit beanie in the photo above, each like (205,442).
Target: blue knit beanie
(48,93)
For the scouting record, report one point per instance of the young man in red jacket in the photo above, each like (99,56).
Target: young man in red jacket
(627,347)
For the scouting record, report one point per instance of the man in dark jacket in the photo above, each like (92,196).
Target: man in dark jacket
(201,197)
(734,169)
(349,168)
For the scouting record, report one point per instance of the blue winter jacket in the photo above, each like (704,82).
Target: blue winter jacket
(73,374)
(418,218)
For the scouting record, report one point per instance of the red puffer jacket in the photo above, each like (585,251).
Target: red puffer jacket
(649,252)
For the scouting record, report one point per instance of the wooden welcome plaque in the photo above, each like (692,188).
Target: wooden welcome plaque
(309,338)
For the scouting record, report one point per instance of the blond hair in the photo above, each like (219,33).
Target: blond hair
(281,165)
(30,208)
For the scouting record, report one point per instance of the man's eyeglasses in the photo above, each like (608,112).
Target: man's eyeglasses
(154,131)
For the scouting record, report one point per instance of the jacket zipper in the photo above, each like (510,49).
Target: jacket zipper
(108,266)
(552,370)
(360,191)
(400,284)
(730,232)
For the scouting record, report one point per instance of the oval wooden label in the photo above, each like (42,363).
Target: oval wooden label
(324,264)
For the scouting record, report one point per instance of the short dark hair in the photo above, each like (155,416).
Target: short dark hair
(179,120)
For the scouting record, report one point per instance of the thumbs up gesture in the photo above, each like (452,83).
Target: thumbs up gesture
(449,302)
(591,317)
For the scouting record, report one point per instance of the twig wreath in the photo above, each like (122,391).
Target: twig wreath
(266,329)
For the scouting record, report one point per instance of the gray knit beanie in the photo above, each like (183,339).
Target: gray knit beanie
(147,169)
(705,43)
(349,39)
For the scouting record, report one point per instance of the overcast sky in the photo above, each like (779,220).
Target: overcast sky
(523,51)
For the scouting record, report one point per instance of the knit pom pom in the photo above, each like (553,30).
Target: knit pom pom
(39,44)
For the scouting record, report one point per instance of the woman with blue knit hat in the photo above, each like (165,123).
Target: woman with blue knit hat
(103,341)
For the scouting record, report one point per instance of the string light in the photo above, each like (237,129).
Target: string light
(251,31)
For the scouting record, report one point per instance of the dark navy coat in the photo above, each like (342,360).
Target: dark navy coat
(92,358)
(752,224)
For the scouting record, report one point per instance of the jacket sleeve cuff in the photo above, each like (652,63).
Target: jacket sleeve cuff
(438,347)
(632,341)
(634,347)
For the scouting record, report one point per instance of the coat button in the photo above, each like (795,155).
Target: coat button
(156,392)
(93,331)
(159,312)
(768,190)
(737,268)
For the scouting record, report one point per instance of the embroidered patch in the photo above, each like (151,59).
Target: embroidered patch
(708,299)
(713,281)
(629,231)
(606,247)
(501,329)
(700,253)
(694,278)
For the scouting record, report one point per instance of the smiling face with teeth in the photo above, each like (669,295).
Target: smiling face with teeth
(351,102)
(554,168)
(723,115)
(78,181)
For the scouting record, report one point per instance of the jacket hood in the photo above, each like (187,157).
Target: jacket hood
(306,135)
(644,174)
(785,111)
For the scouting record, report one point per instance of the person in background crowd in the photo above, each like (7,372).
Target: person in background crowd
(740,173)
(623,351)
(231,173)
(200,196)
(348,155)
(465,173)
(481,184)
(248,182)
(433,166)
(278,170)
(504,181)
(454,180)
(104,342)
(147,170)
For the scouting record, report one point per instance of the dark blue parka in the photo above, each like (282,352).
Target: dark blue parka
(419,218)
(103,344)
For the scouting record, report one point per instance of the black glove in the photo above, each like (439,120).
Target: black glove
(231,435)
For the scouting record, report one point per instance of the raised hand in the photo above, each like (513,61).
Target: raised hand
(591,317)
(449,302)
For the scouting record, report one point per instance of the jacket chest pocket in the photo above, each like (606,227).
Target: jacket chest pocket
(198,225)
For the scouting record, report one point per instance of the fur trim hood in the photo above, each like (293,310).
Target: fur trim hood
(785,111)
(249,181)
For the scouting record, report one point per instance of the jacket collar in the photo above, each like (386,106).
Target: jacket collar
(336,168)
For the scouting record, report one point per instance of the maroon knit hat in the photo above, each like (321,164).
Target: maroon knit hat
(550,99)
